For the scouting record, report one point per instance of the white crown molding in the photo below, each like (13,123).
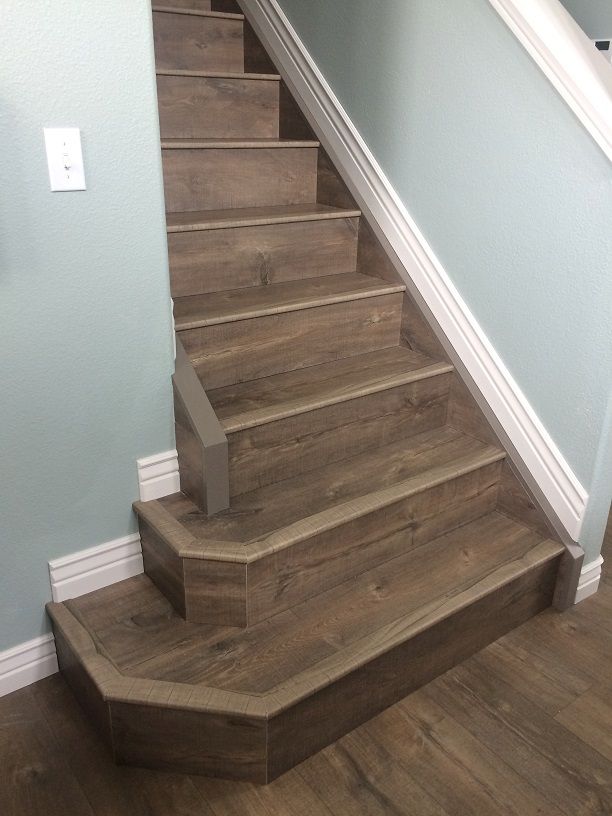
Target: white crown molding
(567,57)
(27,663)
(588,583)
(419,266)
(158,475)
(96,567)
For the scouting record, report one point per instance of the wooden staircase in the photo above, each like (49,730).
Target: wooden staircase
(349,525)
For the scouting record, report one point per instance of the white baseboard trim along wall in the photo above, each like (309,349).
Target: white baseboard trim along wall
(27,663)
(94,568)
(590,577)
(158,475)
(420,268)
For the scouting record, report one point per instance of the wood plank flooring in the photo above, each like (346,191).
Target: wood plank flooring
(513,731)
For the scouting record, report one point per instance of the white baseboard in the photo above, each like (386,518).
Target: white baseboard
(96,567)
(158,475)
(590,577)
(419,266)
(27,663)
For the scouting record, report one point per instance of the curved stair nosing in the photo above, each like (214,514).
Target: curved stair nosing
(186,72)
(297,305)
(265,416)
(191,12)
(185,545)
(201,225)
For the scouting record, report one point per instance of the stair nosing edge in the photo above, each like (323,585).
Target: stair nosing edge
(240,144)
(179,72)
(297,306)
(262,221)
(193,12)
(434,369)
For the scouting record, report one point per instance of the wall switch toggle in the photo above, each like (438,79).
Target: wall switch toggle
(65,159)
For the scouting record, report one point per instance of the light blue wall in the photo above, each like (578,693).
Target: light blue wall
(595,16)
(510,190)
(84,294)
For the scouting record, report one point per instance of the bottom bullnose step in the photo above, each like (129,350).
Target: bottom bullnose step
(250,704)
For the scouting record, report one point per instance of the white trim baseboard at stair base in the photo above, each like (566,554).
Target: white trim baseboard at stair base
(590,577)
(568,58)
(419,266)
(27,663)
(158,475)
(95,568)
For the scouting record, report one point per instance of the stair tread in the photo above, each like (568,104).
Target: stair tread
(254,216)
(232,144)
(247,404)
(196,311)
(299,651)
(195,12)
(280,514)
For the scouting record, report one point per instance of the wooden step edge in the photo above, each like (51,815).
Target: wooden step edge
(334,517)
(403,629)
(265,416)
(329,519)
(297,305)
(112,686)
(190,12)
(208,221)
(175,72)
(181,541)
(237,144)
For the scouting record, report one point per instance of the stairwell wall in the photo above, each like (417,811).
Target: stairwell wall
(87,344)
(594,16)
(508,188)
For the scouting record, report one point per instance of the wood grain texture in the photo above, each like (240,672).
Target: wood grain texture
(199,43)
(254,217)
(200,5)
(214,260)
(217,107)
(274,451)
(290,296)
(245,350)
(217,178)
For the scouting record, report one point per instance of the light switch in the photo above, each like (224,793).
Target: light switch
(65,159)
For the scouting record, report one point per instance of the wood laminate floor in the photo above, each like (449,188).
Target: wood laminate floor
(523,728)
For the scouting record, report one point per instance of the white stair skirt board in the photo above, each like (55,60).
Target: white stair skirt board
(590,576)
(96,567)
(158,475)
(27,663)
(542,462)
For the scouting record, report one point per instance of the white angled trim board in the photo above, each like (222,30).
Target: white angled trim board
(420,268)
(588,583)
(27,663)
(97,567)
(567,57)
(158,475)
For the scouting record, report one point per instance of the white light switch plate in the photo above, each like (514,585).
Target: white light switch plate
(65,159)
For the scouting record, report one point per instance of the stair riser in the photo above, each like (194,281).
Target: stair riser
(236,258)
(217,108)
(305,570)
(280,450)
(236,594)
(190,43)
(229,353)
(361,694)
(223,178)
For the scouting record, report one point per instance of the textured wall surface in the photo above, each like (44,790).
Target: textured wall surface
(86,337)
(595,16)
(509,189)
